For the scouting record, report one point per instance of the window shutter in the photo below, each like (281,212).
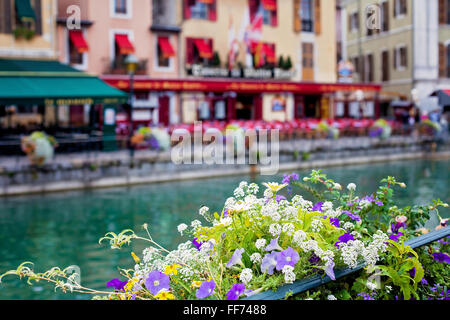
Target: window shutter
(253,8)
(317,15)
(443,12)
(189,50)
(297,20)
(187,9)
(442,60)
(386,16)
(38,13)
(213,11)
(2,16)
(395,60)
(404,56)
(275,15)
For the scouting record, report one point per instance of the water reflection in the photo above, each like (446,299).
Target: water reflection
(63,229)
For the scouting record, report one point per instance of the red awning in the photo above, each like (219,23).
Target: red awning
(124,44)
(77,38)
(203,48)
(270,54)
(270,5)
(166,47)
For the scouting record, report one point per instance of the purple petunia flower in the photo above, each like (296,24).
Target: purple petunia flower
(329,270)
(344,239)
(273,245)
(397,226)
(334,222)
(352,216)
(441,257)
(278,198)
(236,258)
(395,237)
(291,177)
(196,243)
(157,281)
(412,272)
(206,289)
(367,296)
(288,257)
(269,262)
(236,291)
(314,259)
(317,207)
(117,284)
(424,282)
(379,203)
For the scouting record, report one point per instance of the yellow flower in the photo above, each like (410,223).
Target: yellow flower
(130,284)
(196,284)
(165,295)
(275,187)
(172,270)
(135,258)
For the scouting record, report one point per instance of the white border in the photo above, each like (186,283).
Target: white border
(84,65)
(156,67)
(112,33)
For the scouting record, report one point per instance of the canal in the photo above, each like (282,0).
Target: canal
(63,229)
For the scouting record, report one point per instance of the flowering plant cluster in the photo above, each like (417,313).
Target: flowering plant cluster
(264,239)
(380,129)
(330,131)
(429,127)
(39,147)
(152,138)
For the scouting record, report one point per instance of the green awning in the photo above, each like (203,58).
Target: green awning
(24,10)
(32,82)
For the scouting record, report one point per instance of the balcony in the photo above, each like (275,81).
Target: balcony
(119,67)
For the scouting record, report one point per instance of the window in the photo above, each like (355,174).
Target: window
(400,8)
(385,16)
(198,51)
(401,58)
(165,52)
(370,68)
(385,66)
(120,6)
(267,9)
(444,60)
(306,12)
(353,22)
(75,57)
(200,9)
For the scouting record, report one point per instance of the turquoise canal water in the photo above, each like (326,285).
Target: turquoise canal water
(63,229)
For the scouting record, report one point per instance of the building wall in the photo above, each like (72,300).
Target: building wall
(40,46)
(287,42)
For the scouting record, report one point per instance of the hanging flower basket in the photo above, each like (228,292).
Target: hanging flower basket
(151,138)
(380,129)
(39,148)
(327,131)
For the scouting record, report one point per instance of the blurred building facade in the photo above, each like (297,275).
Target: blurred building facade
(403,44)
(246,60)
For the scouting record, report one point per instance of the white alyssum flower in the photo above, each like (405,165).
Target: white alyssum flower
(239,193)
(289,275)
(256,258)
(260,243)
(351,187)
(316,225)
(275,229)
(246,276)
(288,228)
(337,186)
(299,237)
(253,188)
(372,286)
(331,297)
(181,228)
(388,289)
(348,226)
(196,224)
(203,211)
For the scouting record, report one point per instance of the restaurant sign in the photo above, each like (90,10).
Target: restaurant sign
(247,73)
